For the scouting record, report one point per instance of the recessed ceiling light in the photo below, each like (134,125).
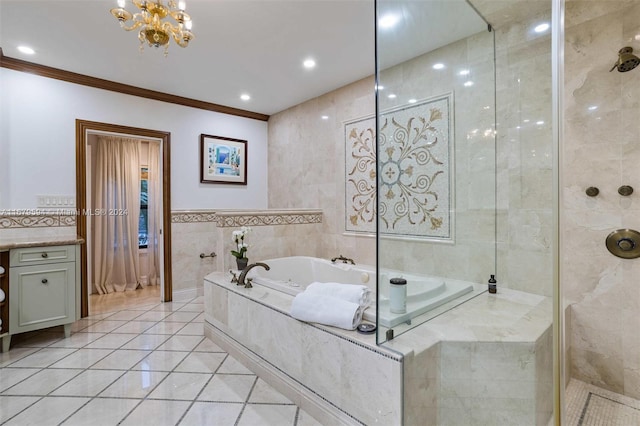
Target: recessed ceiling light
(438,66)
(468,83)
(325,117)
(541,28)
(245,97)
(412,101)
(388,21)
(464,72)
(392,96)
(309,63)
(26,50)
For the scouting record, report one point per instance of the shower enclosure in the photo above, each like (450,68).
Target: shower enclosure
(467,192)
(600,149)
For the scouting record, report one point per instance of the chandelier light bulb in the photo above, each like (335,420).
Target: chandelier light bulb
(182,5)
(188,24)
(121,3)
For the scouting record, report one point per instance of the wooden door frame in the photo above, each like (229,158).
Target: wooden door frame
(83,128)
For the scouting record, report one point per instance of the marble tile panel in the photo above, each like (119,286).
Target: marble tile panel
(12,405)
(120,359)
(180,343)
(52,410)
(82,358)
(110,341)
(180,386)
(214,413)
(102,411)
(156,412)
(262,392)
(268,415)
(88,383)
(11,376)
(134,384)
(43,358)
(161,360)
(228,388)
(77,340)
(201,362)
(42,382)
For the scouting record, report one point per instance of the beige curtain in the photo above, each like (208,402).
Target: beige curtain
(154,213)
(116,211)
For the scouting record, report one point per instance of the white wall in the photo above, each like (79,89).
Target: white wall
(37,142)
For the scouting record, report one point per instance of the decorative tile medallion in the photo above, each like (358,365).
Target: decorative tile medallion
(415,171)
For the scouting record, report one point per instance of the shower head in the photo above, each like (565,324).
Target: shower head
(626,61)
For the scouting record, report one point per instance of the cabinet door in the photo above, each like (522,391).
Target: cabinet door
(41,296)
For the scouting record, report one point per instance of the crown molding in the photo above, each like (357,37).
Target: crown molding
(99,83)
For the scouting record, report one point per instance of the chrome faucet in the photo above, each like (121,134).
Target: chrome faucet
(343,259)
(243,280)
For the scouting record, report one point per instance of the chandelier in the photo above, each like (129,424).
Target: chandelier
(153,28)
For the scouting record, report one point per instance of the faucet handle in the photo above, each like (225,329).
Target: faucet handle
(248,283)
(234,277)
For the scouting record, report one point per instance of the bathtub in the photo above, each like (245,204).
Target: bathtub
(291,275)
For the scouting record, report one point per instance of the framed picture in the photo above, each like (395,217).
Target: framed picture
(223,160)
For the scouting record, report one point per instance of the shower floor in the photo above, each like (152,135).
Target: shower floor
(589,405)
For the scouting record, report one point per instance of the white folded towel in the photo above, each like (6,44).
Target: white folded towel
(311,307)
(2,296)
(354,293)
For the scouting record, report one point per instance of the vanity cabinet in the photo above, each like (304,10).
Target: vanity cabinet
(4,286)
(43,283)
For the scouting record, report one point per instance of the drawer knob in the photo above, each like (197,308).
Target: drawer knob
(45,255)
(44,281)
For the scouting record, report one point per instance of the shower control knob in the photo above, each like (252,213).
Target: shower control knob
(592,191)
(625,190)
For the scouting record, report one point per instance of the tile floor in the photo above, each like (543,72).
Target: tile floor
(141,364)
(589,405)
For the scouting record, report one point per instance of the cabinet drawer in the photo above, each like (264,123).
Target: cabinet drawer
(42,255)
(41,296)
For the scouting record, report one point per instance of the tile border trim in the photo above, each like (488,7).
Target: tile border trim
(34,218)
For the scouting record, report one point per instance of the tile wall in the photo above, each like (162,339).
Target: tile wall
(602,149)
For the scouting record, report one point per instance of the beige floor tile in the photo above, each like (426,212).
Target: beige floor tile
(88,383)
(305,419)
(134,384)
(180,386)
(231,366)
(208,346)
(104,326)
(268,415)
(12,405)
(125,315)
(181,343)
(201,362)
(110,341)
(227,388)
(165,328)
(181,316)
(77,340)
(120,360)
(168,307)
(193,307)
(155,412)
(43,358)
(82,358)
(153,316)
(161,361)
(43,382)
(146,341)
(48,411)
(102,411)
(263,393)
(212,413)
(15,354)
(193,329)
(135,327)
(11,376)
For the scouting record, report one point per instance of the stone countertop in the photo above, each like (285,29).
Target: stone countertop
(8,243)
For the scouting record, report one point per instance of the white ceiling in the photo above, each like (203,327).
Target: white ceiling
(241,46)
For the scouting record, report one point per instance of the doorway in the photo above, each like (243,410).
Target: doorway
(84,132)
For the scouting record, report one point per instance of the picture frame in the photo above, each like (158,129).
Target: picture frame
(223,160)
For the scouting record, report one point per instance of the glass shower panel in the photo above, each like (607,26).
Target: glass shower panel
(436,160)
